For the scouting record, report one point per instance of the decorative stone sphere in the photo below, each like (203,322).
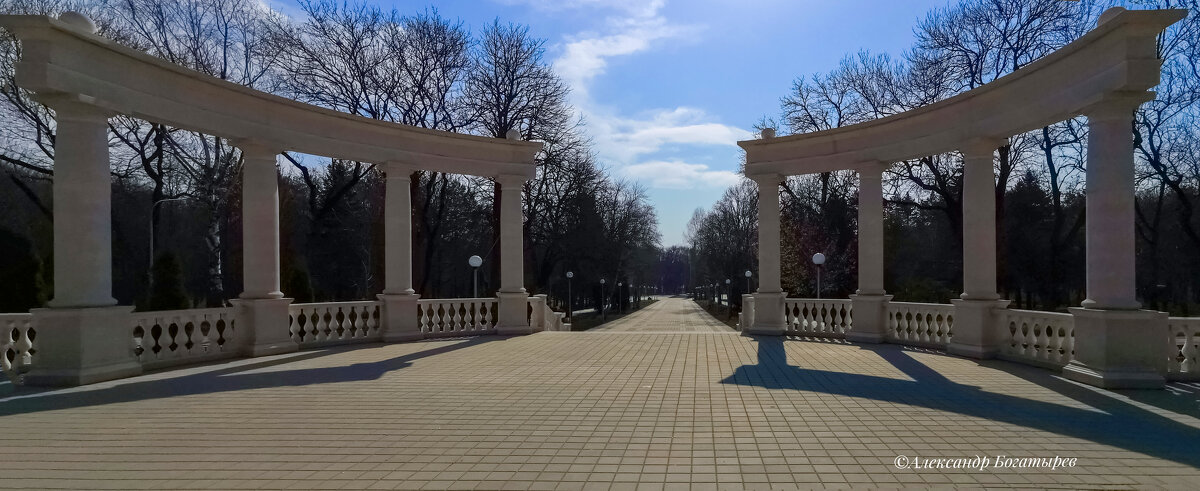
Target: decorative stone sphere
(513,134)
(1107,15)
(78,21)
(768,133)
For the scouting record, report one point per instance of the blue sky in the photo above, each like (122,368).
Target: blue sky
(666,88)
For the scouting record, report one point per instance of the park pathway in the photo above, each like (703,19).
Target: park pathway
(668,314)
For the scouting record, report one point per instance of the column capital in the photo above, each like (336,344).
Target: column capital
(395,169)
(75,107)
(1117,105)
(255,147)
(982,145)
(510,181)
(767,179)
(872,169)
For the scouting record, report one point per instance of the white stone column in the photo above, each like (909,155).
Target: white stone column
(979,219)
(82,208)
(514,301)
(397,230)
(870,230)
(1116,345)
(399,298)
(1111,271)
(768,301)
(82,338)
(870,301)
(260,221)
(263,312)
(976,312)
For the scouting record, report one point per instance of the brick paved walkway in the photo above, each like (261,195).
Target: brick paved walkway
(668,314)
(595,410)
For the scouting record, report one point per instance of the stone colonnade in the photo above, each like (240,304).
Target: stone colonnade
(1117,344)
(84,337)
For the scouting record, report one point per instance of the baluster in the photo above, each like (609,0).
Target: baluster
(909,331)
(1060,335)
(1189,351)
(172,339)
(812,316)
(473,319)
(459,316)
(352,322)
(421,317)
(943,328)
(1027,339)
(189,337)
(1010,344)
(317,328)
(1039,341)
(205,332)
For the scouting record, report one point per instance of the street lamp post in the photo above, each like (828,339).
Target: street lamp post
(620,297)
(748,274)
(152,207)
(728,297)
(475,262)
(603,301)
(570,299)
(819,260)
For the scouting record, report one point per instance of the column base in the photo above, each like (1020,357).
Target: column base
(400,318)
(747,315)
(975,328)
(768,314)
(1119,349)
(869,318)
(512,317)
(82,346)
(266,325)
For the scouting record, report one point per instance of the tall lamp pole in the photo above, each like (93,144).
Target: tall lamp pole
(603,300)
(152,207)
(620,297)
(819,260)
(728,297)
(570,299)
(475,262)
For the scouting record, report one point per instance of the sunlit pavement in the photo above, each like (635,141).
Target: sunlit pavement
(667,314)
(595,410)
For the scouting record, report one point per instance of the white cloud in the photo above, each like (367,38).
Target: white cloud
(680,175)
(623,140)
(636,8)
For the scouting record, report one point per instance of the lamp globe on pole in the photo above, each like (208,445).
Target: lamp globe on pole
(603,300)
(475,262)
(570,299)
(819,260)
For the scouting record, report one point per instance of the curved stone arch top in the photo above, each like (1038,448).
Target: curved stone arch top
(63,64)
(1116,60)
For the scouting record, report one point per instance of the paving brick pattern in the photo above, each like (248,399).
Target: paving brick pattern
(594,410)
(668,314)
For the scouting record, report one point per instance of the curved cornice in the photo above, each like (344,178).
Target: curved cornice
(60,63)
(1117,59)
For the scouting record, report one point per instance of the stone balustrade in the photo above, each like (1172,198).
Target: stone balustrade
(826,318)
(17,335)
(1183,348)
(548,319)
(333,323)
(1045,339)
(920,324)
(457,316)
(179,337)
